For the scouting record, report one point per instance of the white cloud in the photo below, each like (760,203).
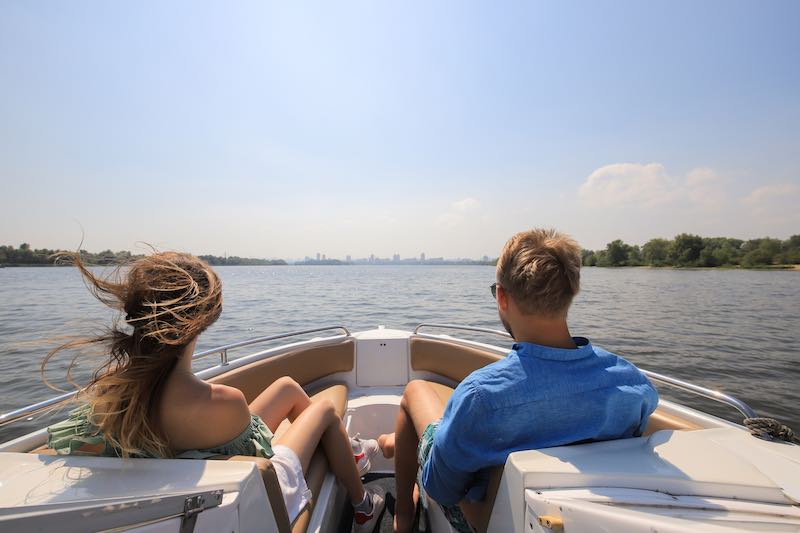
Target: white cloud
(467,204)
(650,185)
(763,195)
(704,189)
(701,176)
(640,201)
(774,205)
(627,183)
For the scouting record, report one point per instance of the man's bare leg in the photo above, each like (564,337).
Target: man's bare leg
(419,407)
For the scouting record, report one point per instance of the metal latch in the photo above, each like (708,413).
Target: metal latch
(194,505)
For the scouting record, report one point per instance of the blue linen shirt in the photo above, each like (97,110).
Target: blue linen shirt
(536,397)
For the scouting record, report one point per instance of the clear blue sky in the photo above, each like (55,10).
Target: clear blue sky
(279,130)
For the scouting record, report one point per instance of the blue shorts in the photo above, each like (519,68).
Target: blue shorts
(452,512)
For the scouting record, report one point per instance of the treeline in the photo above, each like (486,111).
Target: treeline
(25,255)
(687,250)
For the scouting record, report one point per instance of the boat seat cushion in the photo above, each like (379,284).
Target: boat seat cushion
(660,419)
(447,358)
(305,366)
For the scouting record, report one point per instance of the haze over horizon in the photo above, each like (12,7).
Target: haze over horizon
(273,130)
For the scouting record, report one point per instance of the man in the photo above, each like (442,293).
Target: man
(551,389)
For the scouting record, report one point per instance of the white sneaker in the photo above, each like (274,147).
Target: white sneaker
(366,522)
(363,452)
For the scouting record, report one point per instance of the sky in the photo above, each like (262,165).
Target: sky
(283,129)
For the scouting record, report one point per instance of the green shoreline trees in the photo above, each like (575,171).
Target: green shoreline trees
(687,250)
(24,255)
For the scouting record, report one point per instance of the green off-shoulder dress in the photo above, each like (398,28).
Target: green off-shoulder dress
(77,435)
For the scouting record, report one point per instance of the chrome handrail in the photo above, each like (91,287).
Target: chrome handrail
(223,350)
(721,397)
(465,328)
(30,410)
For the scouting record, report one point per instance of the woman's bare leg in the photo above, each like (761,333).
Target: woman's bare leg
(320,423)
(285,398)
(419,407)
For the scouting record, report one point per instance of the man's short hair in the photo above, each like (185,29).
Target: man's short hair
(540,270)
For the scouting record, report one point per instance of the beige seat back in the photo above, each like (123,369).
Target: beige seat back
(270,479)
(479,513)
(660,419)
(314,478)
(305,365)
(448,359)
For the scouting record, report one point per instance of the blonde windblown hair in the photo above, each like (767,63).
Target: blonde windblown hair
(168,299)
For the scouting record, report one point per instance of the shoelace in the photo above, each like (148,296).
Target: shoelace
(356,441)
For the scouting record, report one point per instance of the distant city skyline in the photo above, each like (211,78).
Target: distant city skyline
(275,130)
(394,258)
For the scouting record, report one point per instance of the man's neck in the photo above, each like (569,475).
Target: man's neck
(552,332)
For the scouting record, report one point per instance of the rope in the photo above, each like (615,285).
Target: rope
(769,428)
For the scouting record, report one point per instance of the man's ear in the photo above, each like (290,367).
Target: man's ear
(502,298)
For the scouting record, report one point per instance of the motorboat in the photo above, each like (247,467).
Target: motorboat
(689,471)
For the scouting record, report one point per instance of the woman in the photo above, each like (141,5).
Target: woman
(145,401)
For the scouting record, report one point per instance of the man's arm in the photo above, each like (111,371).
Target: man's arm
(456,454)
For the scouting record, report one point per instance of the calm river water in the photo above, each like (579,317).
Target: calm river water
(737,331)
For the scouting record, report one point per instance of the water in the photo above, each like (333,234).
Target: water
(737,331)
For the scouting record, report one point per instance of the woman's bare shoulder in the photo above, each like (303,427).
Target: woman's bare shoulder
(226,410)
(213,417)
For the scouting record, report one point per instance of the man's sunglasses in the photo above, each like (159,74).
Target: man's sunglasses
(493,288)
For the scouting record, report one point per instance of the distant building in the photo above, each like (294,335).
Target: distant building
(323,257)
(371,258)
(317,256)
(396,257)
(349,259)
(422,257)
(485,258)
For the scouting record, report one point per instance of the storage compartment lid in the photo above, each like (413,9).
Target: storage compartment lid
(722,463)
